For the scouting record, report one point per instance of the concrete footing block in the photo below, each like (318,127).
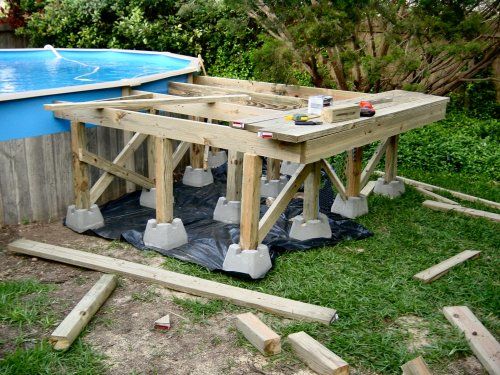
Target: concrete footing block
(254,263)
(392,189)
(81,220)
(289,167)
(165,236)
(305,230)
(228,212)
(272,188)
(197,177)
(352,207)
(216,159)
(148,198)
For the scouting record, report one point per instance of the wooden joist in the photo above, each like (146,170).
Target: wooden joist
(144,103)
(316,356)
(416,366)
(261,336)
(434,196)
(438,270)
(482,342)
(117,170)
(445,207)
(69,329)
(188,284)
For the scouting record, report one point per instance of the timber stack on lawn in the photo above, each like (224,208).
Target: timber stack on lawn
(248,119)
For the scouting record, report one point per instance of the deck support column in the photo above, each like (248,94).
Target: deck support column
(83,215)
(195,175)
(312,223)
(164,232)
(388,186)
(216,156)
(228,209)
(272,184)
(355,205)
(127,136)
(248,256)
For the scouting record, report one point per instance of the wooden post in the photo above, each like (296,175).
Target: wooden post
(127,136)
(311,192)
(234,175)
(196,155)
(250,202)
(273,169)
(151,157)
(391,159)
(353,171)
(164,180)
(81,181)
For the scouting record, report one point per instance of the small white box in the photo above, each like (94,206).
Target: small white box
(317,102)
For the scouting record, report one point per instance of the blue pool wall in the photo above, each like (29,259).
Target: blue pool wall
(23,118)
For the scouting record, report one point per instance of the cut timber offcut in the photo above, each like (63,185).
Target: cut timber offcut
(261,336)
(77,319)
(316,356)
(435,272)
(176,281)
(416,366)
(481,341)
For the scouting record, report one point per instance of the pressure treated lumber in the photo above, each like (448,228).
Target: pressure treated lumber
(416,366)
(391,159)
(122,172)
(311,193)
(482,342)
(372,163)
(69,329)
(334,178)
(234,175)
(127,136)
(261,336)
(179,153)
(368,189)
(176,281)
(144,103)
(353,171)
(81,179)
(445,207)
(316,356)
(435,272)
(456,194)
(164,180)
(250,202)
(434,196)
(273,169)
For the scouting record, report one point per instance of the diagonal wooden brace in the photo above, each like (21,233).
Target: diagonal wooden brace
(334,178)
(373,162)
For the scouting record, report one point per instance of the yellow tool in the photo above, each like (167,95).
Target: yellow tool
(300,117)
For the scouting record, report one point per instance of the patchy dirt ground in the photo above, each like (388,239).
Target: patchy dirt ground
(122,329)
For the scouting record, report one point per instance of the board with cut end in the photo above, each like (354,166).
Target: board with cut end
(261,336)
(445,207)
(69,329)
(482,342)
(435,272)
(316,356)
(176,281)
(416,366)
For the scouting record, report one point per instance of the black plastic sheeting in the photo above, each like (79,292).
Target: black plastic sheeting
(208,240)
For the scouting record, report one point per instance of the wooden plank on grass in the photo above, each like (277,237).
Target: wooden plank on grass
(261,336)
(416,366)
(434,196)
(69,329)
(368,189)
(481,341)
(445,207)
(176,281)
(316,356)
(435,272)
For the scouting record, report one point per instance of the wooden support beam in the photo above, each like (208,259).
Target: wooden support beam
(106,178)
(482,342)
(416,366)
(319,358)
(179,153)
(261,336)
(234,175)
(434,196)
(368,189)
(177,281)
(282,200)
(311,192)
(69,329)
(164,180)
(435,272)
(353,171)
(81,179)
(114,169)
(273,169)
(373,162)
(445,207)
(127,136)
(196,155)
(391,159)
(151,157)
(334,178)
(250,202)
(144,103)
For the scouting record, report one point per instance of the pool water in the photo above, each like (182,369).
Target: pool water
(41,69)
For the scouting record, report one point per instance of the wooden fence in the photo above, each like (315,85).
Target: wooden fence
(8,39)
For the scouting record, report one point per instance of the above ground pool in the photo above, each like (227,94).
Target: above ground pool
(30,78)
